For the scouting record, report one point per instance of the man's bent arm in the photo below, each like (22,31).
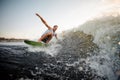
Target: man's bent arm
(56,36)
(44,21)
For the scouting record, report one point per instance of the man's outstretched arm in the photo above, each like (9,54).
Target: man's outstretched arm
(44,21)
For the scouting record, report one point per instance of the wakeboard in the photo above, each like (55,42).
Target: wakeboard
(35,43)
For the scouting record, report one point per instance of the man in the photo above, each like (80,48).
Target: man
(48,34)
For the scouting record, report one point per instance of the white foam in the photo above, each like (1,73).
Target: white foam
(52,49)
(103,31)
(119,43)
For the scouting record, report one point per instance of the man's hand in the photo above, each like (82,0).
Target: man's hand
(38,15)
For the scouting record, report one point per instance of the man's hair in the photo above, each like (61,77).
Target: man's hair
(55,26)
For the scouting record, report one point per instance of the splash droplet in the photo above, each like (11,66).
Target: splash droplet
(119,43)
(80,68)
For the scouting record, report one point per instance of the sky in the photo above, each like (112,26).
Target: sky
(18,19)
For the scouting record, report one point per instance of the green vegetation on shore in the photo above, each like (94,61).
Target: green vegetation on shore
(3,39)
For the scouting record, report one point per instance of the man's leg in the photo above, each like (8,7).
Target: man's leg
(44,36)
(50,37)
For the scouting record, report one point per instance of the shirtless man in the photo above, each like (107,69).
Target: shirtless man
(48,34)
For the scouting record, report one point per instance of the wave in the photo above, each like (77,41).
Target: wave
(98,41)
